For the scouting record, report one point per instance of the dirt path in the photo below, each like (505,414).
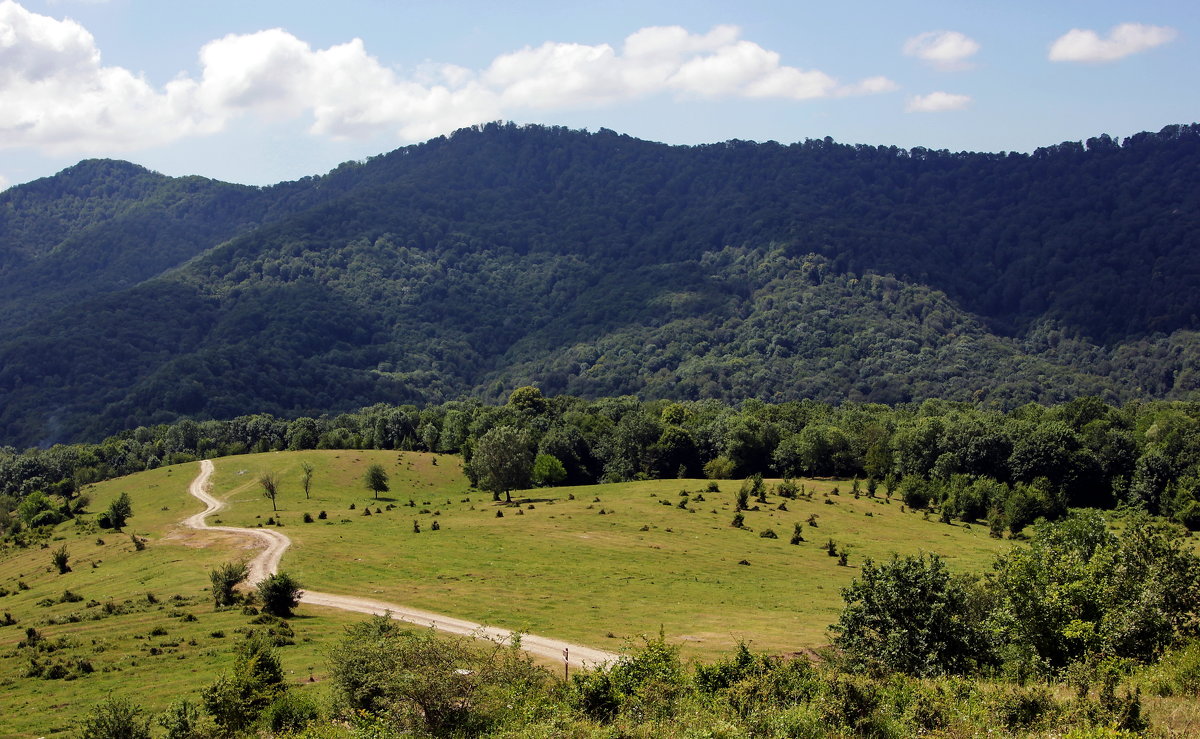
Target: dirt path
(266,563)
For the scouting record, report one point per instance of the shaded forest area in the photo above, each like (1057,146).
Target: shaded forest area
(600,265)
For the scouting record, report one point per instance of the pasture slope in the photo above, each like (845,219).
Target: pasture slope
(266,563)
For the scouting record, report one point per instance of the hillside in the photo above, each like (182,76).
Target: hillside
(598,264)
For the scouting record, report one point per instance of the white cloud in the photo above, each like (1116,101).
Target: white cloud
(1080,45)
(943,49)
(869,86)
(937,102)
(58,95)
(3,183)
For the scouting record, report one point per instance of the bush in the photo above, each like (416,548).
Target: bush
(224,579)
(910,615)
(308,518)
(115,718)
(279,594)
(181,720)
(719,468)
(441,685)
(118,513)
(289,712)
(768,534)
(239,695)
(60,558)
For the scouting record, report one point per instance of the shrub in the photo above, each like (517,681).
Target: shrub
(60,558)
(797,533)
(181,720)
(308,518)
(743,498)
(322,515)
(289,713)
(910,615)
(118,513)
(719,468)
(224,579)
(768,534)
(239,695)
(115,718)
(279,594)
(739,521)
(548,471)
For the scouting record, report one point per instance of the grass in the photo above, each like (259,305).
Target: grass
(608,565)
(129,598)
(553,564)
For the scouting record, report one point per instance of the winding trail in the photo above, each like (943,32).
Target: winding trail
(266,563)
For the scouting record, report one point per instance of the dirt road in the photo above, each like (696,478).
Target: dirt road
(266,563)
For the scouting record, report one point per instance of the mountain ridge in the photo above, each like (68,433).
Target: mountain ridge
(506,255)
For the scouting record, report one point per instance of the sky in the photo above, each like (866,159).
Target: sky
(270,90)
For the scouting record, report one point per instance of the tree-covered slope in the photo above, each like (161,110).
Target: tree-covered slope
(600,264)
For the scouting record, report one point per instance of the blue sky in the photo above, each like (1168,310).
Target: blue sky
(263,91)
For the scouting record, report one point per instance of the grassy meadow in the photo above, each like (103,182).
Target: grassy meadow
(145,622)
(599,565)
(596,564)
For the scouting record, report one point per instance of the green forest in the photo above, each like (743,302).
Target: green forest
(600,265)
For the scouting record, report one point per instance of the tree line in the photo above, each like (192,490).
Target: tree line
(966,461)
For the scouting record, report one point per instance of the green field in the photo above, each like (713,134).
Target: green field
(612,563)
(113,623)
(551,565)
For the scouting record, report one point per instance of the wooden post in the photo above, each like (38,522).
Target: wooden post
(566,665)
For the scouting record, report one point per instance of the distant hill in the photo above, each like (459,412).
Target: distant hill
(599,264)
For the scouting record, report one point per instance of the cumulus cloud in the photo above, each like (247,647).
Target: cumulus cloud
(937,102)
(4,183)
(60,97)
(1081,45)
(943,49)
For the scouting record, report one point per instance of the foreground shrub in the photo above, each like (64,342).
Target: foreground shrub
(418,681)
(911,616)
(241,693)
(115,718)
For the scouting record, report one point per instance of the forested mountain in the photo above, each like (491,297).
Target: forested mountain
(598,264)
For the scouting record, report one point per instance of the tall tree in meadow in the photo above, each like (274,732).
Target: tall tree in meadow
(306,480)
(376,480)
(502,461)
(270,486)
